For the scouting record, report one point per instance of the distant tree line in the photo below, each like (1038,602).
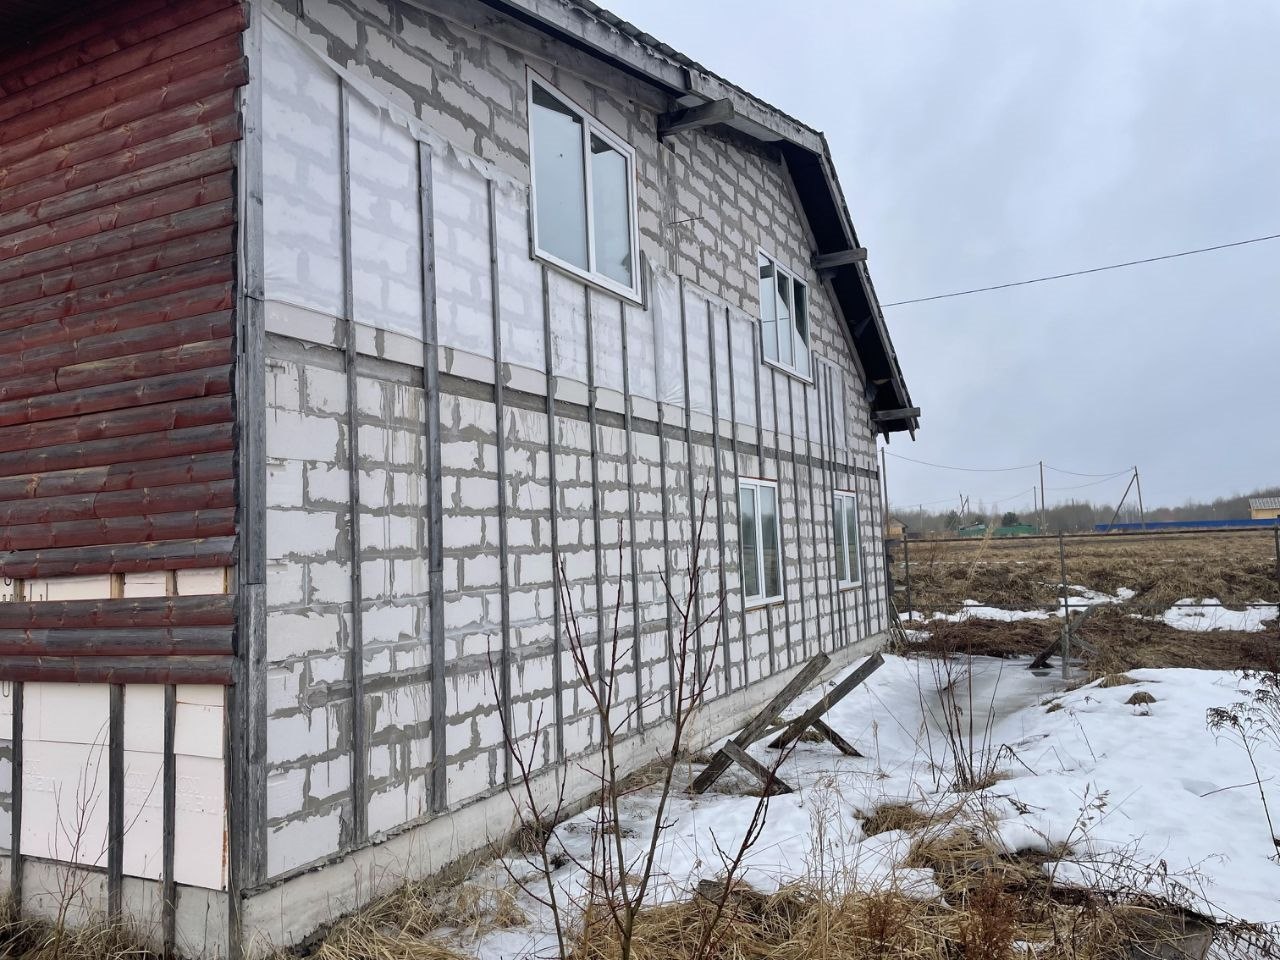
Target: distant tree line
(1076,515)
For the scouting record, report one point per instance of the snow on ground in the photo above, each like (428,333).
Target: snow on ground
(1187,614)
(1126,787)
(1200,615)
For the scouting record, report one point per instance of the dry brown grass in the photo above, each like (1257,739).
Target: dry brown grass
(895,816)
(95,940)
(1115,680)
(985,921)
(421,921)
(1024,574)
(1236,568)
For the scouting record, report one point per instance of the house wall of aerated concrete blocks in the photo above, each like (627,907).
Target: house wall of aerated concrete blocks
(581,449)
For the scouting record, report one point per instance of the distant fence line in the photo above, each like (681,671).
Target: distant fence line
(1186,525)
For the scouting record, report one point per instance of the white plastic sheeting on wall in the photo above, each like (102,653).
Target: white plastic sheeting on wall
(464,293)
(568,327)
(667,336)
(301,176)
(641,362)
(519,280)
(697,349)
(606,334)
(720,344)
(386,241)
(742,338)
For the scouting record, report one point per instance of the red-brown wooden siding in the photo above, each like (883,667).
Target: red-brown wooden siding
(118,145)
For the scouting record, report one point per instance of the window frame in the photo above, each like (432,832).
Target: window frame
(842,543)
(794,278)
(762,599)
(590,126)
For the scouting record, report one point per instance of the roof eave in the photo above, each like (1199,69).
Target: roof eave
(585,25)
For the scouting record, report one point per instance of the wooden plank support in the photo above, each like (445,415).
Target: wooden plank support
(901,413)
(803,722)
(837,741)
(1055,646)
(839,258)
(759,726)
(691,118)
(769,779)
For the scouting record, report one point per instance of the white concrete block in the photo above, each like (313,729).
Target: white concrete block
(148,584)
(69,588)
(64,801)
(302,841)
(284,483)
(199,727)
(200,823)
(143,811)
(285,791)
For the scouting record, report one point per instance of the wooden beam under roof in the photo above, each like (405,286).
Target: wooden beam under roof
(691,118)
(903,413)
(829,261)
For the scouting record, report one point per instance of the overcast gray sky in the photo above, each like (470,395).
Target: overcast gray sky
(985,142)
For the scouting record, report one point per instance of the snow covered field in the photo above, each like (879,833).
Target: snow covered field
(1140,795)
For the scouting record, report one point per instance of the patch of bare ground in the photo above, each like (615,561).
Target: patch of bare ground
(1125,642)
(1024,574)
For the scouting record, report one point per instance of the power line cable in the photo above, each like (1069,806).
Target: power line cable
(1081,273)
(1093,483)
(943,466)
(1074,473)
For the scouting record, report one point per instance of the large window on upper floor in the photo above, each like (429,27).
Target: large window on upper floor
(584,193)
(784,316)
(761,541)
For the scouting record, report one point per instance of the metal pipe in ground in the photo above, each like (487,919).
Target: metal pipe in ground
(906,562)
(1066,609)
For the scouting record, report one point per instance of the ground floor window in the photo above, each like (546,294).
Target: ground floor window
(761,541)
(848,542)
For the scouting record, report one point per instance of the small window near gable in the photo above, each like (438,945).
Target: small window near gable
(847,540)
(760,537)
(583,192)
(784,317)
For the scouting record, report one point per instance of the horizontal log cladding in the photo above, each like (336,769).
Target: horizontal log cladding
(118,149)
(199,611)
(152,669)
(121,558)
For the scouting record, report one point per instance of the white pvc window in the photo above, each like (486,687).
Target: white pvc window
(584,192)
(847,540)
(784,316)
(760,536)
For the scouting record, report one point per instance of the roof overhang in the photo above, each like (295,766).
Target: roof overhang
(702,97)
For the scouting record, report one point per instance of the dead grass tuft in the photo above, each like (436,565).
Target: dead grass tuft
(96,940)
(421,921)
(895,816)
(1115,680)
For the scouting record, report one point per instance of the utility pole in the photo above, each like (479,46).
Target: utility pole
(1042,496)
(884,492)
(1142,513)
